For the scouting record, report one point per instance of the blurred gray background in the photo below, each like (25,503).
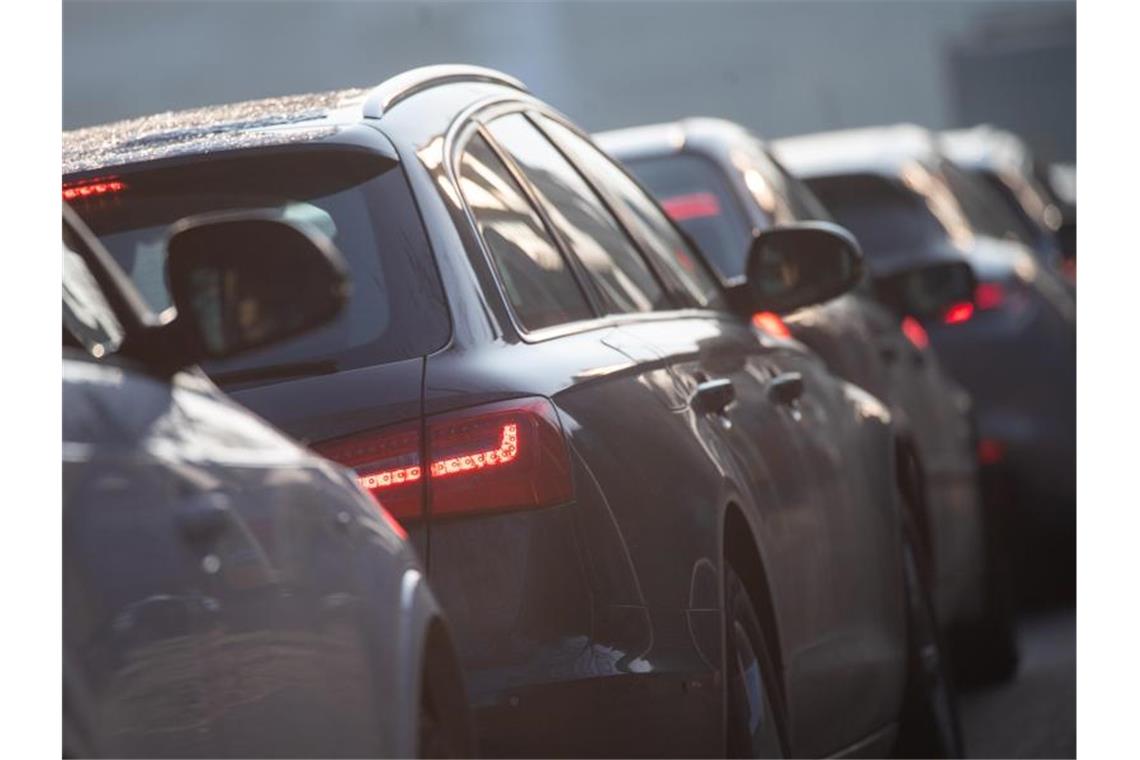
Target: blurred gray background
(779,67)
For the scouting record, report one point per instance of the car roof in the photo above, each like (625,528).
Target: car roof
(985,147)
(873,150)
(702,134)
(264,122)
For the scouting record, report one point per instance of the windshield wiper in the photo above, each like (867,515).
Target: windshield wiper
(275,372)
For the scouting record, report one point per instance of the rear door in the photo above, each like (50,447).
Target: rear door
(794,436)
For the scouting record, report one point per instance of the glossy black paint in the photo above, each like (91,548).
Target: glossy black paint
(226,593)
(859,340)
(595,627)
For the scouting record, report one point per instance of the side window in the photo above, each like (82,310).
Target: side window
(666,245)
(538,282)
(587,226)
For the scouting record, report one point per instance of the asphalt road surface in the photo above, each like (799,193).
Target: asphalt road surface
(1034,714)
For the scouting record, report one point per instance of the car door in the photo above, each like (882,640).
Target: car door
(795,433)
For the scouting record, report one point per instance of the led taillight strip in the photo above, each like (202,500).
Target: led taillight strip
(506,452)
(94,188)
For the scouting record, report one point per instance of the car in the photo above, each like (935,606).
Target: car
(227,593)
(1013,346)
(719,181)
(653,531)
(1016,185)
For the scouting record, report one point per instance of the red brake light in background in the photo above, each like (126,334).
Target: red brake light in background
(95,187)
(990,451)
(509,455)
(691,206)
(770,323)
(958,313)
(915,333)
(989,295)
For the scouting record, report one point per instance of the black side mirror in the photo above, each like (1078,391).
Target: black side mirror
(797,265)
(928,290)
(243,281)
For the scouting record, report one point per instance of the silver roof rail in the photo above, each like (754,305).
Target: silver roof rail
(390,92)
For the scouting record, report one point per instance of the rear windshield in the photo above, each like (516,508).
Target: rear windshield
(886,217)
(698,198)
(360,200)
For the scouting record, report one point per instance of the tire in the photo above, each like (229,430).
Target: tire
(986,650)
(444,721)
(929,724)
(754,710)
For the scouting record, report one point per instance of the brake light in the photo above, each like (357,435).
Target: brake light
(387,465)
(508,455)
(770,323)
(958,313)
(990,451)
(691,206)
(915,333)
(988,295)
(96,187)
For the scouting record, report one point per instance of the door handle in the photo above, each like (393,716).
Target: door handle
(786,388)
(713,396)
(204,518)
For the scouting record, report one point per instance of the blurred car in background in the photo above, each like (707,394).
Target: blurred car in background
(1013,346)
(1019,185)
(719,183)
(226,593)
(653,531)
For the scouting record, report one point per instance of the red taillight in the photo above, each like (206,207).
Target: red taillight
(96,187)
(509,455)
(958,313)
(990,451)
(988,295)
(387,465)
(770,323)
(915,333)
(691,206)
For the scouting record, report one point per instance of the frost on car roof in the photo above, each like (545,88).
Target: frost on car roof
(225,127)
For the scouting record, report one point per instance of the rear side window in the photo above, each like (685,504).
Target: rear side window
(361,200)
(587,226)
(887,218)
(700,199)
(666,246)
(538,283)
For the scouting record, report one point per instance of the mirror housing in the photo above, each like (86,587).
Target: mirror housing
(927,290)
(797,265)
(242,281)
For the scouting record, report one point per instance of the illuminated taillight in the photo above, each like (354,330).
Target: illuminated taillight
(95,187)
(988,295)
(990,451)
(387,465)
(958,313)
(915,333)
(502,456)
(770,323)
(691,206)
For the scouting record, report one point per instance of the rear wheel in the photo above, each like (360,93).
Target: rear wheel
(754,721)
(929,725)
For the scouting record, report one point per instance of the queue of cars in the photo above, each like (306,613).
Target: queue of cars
(652,521)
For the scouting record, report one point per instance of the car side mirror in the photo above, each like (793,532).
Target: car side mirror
(928,290)
(797,265)
(244,281)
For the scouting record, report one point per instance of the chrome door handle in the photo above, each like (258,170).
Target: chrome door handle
(713,396)
(786,388)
